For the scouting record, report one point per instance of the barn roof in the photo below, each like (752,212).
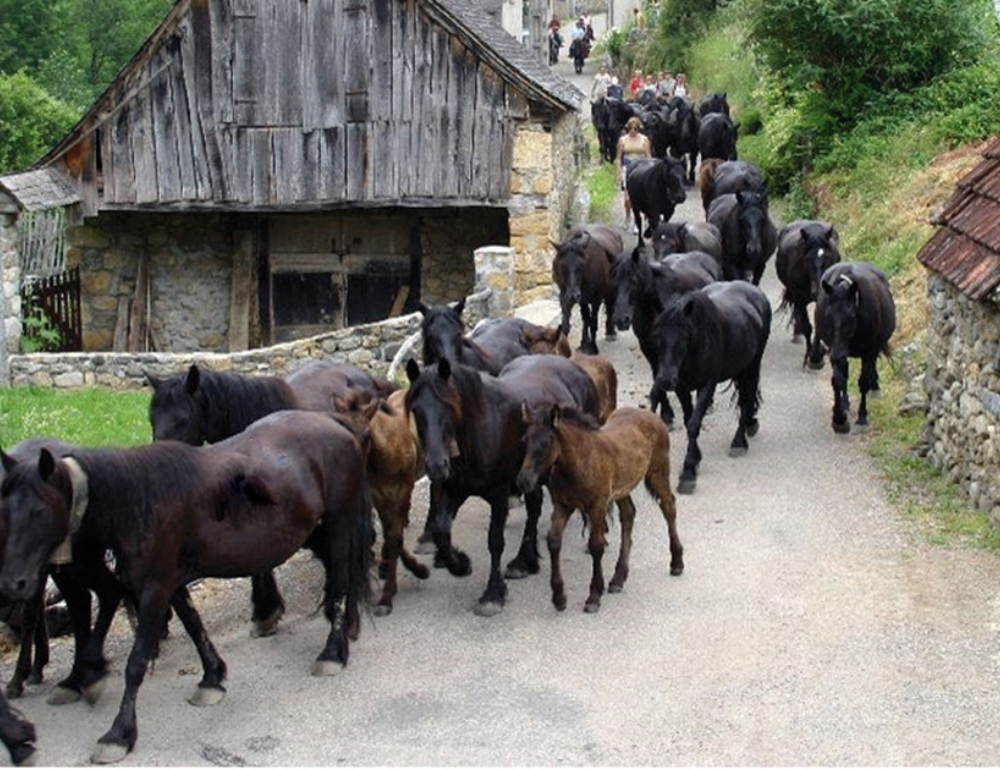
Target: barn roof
(966,250)
(40,189)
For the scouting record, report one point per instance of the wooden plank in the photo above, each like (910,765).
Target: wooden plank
(260,166)
(123,168)
(333,164)
(465,128)
(427,117)
(119,339)
(397,304)
(280,63)
(143,147)
(323,101)
(199,151)
(181,121)
(359,174)
(380,51)
(479,184)
(201,28)
(242,290)
(310,188)
(287,165)
(138,317)
(223,31)
(357,81)
(247,65)
(453,109)
(166,136)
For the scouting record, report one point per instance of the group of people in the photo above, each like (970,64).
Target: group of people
(664,84)
(581,33)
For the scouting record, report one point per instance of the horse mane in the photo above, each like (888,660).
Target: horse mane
(243,399)
(578,417)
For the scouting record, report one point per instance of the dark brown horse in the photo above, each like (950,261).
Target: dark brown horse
(171,513)
(582,271)
(471,431)
(589,467)
(207,406)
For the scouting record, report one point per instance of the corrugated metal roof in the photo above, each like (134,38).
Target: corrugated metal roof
(966,250)
(43,188)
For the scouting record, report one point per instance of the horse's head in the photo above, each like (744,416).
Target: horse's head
(819,251)
(627,275)
(35,498)
(435,406)
(841,299)
(673,331)
(753,219)
(178,409)
(541,449)
(567,269)
(674,179)
(668,238)
(443,331)
(714,103)
(546,340)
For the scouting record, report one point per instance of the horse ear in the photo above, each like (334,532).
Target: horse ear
(444,368)
(831,234)
(555,414)
(803,236)
(340,405)
(412,370)
(152,380)
(688,306)
(8,462)
(460,306)
(424,310)
(554,244)
(369,408)
(46,464)
(193,380)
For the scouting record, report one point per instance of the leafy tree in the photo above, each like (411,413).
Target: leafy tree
(31,121)
(27,33)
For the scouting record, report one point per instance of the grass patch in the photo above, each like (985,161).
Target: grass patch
(89,417)
(602,188)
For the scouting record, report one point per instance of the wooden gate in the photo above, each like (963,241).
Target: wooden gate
(50,311)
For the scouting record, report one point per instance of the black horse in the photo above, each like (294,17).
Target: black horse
(204,406)
(655,187)
(717,136)
(470,427)
(680,237)
(684,125)
(855,317)
(713,103)
(748,234)
(17,734)
(705,337)
(733,176)
(806,248)
(581,269)
(172,513)
(642,289)
(493,344)
(579,50)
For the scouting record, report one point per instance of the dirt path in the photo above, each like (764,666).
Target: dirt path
(810,627)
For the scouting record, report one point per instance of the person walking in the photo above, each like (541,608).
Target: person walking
(599,89)
(631,146)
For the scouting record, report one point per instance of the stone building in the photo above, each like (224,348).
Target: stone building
(261,172)
(963,338)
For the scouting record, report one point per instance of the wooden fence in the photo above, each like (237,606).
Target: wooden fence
(50,308)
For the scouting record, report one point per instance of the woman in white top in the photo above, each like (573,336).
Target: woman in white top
(631,146)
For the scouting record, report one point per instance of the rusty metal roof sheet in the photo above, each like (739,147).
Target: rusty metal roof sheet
(40,189)
(966,250)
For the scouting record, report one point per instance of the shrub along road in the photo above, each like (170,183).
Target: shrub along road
(811,627)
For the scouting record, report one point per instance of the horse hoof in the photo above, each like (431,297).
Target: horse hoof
(752,427)
(29,759)
(488,609)
(92,693)
(14,692)
(327,668)
(875,393)
(738,451)
(615,588)
(460,565)
(815,365)
(842,427)
(611,335)
(207,696)
(686,486)
(677,570)
(559,602)
(266,627)
(519,569)
(381,610)
(425,547)
(108,753)
(797,339)
(591,606)
(61,696)
(861,426)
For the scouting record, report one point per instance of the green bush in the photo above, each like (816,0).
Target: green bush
(31,121)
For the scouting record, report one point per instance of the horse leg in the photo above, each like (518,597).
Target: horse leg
(557,525)
(210,689)
(115,744)
(689,473)
(17,734)
(268,606)
(444,505)
(658,483)
(687,407)
(567,310)
(527,560)
(495,595)
(868,381)
(41,657)
(596,545)
(610,333)
(839,381)
(638,225)
(746,387)
(626,512)
(394,515)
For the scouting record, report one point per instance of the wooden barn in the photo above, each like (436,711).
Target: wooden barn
(962,430)
(264,170)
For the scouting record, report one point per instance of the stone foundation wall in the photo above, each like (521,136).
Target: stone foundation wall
(963,387)
(10,295)
(370,346)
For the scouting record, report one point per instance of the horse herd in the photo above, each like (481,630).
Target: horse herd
(244,471)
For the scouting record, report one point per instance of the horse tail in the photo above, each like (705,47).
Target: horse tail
(362,536)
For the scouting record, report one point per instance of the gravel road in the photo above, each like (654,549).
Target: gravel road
(811,627)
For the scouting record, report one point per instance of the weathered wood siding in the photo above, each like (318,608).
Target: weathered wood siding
(264,104)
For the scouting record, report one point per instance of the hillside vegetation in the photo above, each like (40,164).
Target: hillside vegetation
(864,113)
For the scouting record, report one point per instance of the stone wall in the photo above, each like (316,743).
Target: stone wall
(543,180)
(963,386)
(10,295)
